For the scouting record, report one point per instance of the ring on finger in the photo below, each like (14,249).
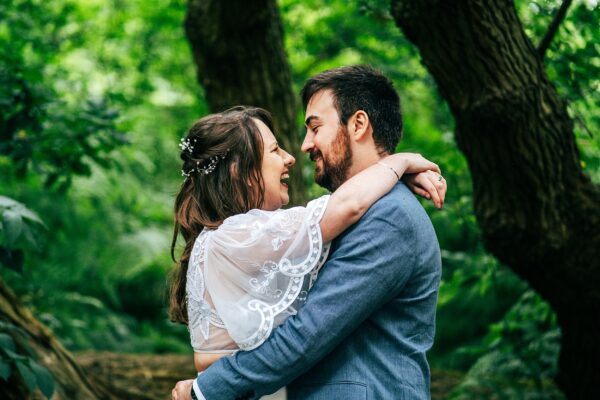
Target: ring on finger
(440,178)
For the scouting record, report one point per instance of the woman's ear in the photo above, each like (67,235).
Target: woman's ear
(233,169)
(359,126)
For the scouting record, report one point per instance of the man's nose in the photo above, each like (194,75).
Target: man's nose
(307,144)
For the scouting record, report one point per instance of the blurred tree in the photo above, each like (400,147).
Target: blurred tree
(239,53)
(539,213)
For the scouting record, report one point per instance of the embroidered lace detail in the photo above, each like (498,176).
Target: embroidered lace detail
(311,264)
(256,270)
(200,314)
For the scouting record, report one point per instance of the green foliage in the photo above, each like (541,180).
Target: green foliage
(518,357)
(20,360)
(18,227)
(108,235)
(47,125)
(573,64)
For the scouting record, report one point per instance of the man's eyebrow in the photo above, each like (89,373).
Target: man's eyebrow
(310,119)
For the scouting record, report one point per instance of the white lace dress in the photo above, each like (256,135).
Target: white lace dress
(250,274)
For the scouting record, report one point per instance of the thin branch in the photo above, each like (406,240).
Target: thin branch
(553,28)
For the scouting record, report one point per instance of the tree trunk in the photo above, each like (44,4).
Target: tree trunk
(70,382)
(240,59)
(539,213)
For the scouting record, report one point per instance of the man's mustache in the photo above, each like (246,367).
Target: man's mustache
(315,154)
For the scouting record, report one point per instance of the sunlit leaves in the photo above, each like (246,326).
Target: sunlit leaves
(573,64)
(48,126)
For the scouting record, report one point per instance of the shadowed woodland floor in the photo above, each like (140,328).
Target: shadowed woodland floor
(134,376)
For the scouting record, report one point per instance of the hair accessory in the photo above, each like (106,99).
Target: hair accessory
(212,164)
(186,145)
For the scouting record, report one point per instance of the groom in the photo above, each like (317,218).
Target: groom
(370,317)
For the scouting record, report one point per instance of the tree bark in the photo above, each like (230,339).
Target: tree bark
(539,213)
(70,382)
(240,58)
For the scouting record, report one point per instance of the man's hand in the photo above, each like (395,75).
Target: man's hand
(182,390)
(428,184)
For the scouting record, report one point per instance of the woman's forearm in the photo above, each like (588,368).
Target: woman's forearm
(204,360)
(353,198)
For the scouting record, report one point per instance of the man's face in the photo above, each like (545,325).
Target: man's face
(327,141)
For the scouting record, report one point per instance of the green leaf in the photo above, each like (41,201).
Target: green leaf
(5,369)
(7,202)
(13,226)
(43,378)
(31,216)
(27,375)
(7,342)
(14,356)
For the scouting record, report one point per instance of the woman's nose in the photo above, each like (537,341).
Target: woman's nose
(289,159)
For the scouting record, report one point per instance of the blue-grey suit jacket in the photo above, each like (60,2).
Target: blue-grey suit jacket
(368,321)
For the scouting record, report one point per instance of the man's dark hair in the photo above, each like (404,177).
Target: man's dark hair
(360,87)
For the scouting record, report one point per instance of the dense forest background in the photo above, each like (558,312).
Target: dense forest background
(94,97)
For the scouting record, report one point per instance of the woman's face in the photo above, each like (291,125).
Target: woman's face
(275,169)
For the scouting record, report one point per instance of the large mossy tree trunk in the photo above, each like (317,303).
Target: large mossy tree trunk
(539,213)
(70,382)
(240,58)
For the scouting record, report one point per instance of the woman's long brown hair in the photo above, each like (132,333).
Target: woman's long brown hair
(235,185)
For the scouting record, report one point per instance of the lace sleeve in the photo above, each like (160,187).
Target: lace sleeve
(259,265)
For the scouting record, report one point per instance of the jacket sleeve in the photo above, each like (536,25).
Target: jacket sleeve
(371,263)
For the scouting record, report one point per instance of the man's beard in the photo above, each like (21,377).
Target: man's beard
(335,167)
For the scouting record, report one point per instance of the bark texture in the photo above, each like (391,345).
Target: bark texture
(240,58)
(539,213)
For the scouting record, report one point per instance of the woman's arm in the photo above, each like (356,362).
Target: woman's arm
(353,198)
(204,360)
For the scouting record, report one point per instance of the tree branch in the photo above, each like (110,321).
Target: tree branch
(553,28)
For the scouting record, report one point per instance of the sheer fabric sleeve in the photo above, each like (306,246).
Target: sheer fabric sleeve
(258,267)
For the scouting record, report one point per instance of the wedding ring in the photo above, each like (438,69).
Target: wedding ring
(440,178)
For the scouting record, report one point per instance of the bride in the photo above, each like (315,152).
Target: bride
(247,264)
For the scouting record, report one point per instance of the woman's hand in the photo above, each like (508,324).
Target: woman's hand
(429,184)
(182,390)
(422,176)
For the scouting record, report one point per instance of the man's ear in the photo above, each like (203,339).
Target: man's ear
(359,126)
